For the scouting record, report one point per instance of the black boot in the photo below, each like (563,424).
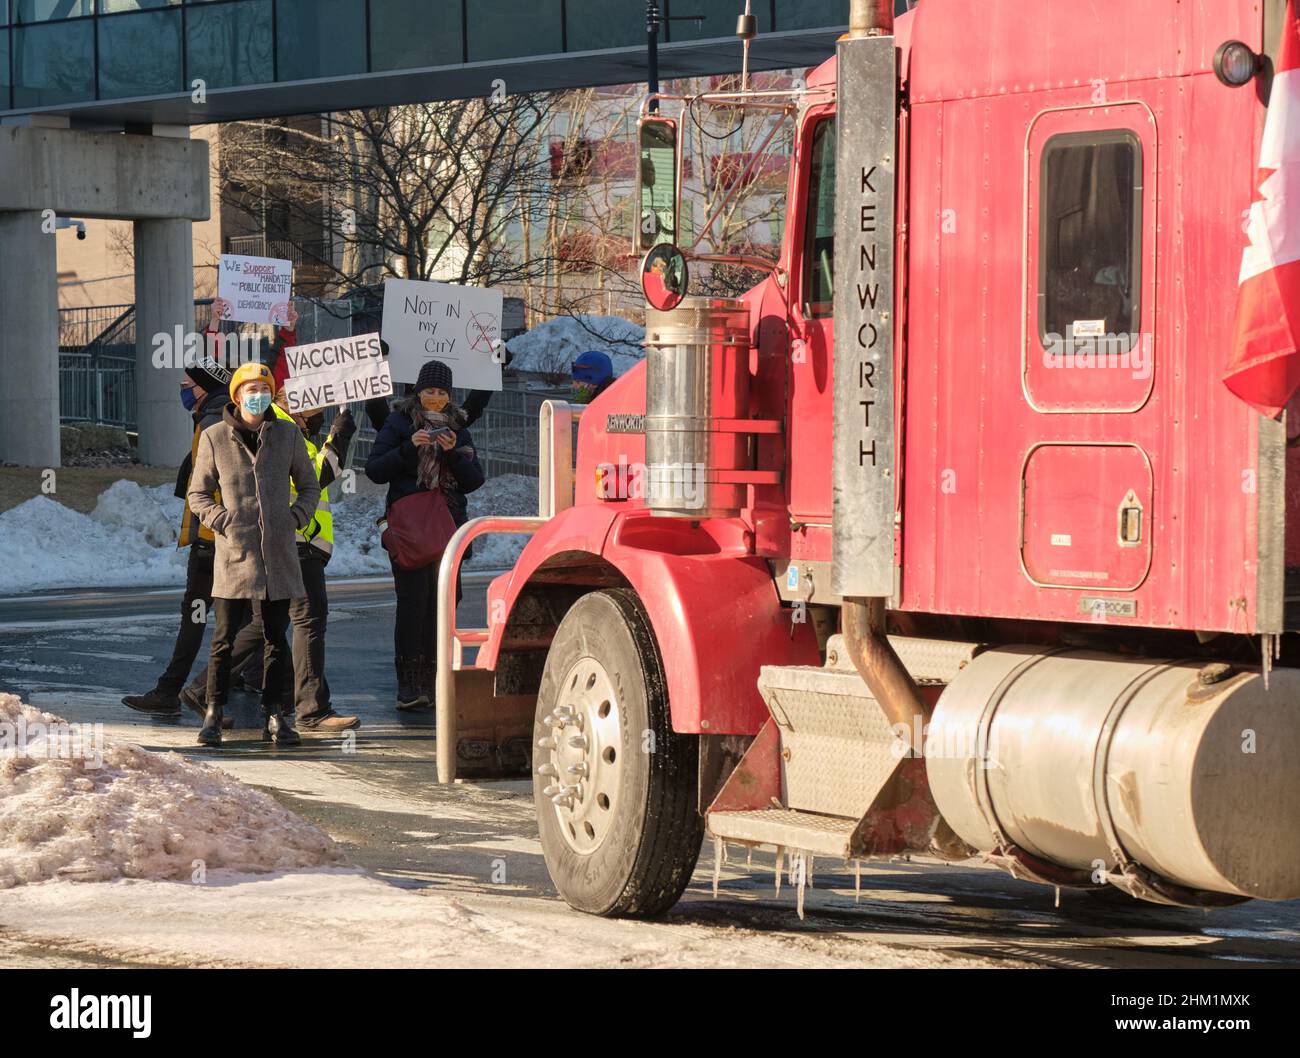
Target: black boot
(428,669)
(159,703)
(410,693)
(279,727)
(210,733)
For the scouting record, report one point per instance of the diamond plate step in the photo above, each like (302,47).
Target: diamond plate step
(837,748)
(822,835)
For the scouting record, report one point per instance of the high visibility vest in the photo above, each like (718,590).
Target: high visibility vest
(191,528)
(319,532)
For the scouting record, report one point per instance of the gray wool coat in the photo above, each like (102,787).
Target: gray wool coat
(244,500)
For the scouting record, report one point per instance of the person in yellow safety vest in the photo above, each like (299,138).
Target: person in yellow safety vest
(204,395)
(308,614)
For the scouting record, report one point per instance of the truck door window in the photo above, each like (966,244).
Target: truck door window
(1090,230)
(819,229)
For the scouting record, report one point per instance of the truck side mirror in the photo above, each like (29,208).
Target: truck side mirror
(664,277)
(658,192)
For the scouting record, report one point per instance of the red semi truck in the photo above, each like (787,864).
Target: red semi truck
(946,538)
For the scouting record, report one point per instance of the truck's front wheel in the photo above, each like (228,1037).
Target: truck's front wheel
(614,785)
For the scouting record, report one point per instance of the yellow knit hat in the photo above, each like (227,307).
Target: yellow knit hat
(250,372)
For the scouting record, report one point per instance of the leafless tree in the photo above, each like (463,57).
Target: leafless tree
(426,191)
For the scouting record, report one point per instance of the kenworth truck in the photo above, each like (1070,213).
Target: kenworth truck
(946,538)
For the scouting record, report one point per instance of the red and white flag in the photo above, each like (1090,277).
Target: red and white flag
(1263,367)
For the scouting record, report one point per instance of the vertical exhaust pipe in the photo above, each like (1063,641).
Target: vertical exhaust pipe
(863,503)
(871,18)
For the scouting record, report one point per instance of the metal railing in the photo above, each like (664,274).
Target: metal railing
(555,424)
(97,389)
(308,252)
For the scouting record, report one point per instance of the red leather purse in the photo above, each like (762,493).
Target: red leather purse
(419,527)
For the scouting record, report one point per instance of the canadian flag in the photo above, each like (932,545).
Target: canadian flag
(1263,368)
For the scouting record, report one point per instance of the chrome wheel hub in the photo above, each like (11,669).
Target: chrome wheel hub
(580,755)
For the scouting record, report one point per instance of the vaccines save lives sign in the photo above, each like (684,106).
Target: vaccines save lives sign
(254,289)
(338,371)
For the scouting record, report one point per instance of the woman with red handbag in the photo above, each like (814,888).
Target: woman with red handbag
(425,455)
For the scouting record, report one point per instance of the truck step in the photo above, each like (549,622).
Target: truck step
(786,828)
(837,748)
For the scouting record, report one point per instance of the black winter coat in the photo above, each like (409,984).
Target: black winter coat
(394,460)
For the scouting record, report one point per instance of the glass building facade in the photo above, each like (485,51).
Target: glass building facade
(57,52)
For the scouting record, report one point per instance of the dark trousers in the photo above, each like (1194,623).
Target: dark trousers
(309,615)
(189,637)
(305,684)
(415,629)
(231,618)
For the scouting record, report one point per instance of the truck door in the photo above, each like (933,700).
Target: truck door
(813,246)
(1088,346)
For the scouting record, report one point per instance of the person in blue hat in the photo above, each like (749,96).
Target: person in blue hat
(592,374)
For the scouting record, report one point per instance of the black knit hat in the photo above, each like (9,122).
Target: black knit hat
(207,372)
(434,374)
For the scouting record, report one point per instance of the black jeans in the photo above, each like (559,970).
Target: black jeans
(189,637)
(415,630)
(304,684)
(309,615)
(273,615)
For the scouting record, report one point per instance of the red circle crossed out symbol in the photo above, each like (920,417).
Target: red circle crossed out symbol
(481,331)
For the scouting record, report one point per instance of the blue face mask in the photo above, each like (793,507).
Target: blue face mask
(188,398)
(255,403)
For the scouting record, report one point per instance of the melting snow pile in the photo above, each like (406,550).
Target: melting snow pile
(509,495)
(130,537)
(551,346)
(74,805)
(125,505)
(44,544)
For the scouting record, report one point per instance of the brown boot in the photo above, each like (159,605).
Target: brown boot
(329,722)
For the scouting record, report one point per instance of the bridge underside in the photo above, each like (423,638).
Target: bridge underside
(788,50)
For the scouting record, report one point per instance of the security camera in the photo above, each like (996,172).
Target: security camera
(68,222)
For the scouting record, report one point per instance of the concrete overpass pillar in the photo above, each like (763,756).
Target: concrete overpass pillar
(164,309)
(29,342)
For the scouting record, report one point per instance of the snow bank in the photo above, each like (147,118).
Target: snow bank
(551,346)
(125,505)
(356,536)
(124,812)
(129,540)
(44,544)
(509,495)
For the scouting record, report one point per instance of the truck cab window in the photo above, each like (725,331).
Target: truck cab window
(819,230)
(1090,231)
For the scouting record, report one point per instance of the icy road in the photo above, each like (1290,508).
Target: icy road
(454,876)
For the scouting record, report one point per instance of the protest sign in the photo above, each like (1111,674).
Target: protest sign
(337,371)
(255,289)
(461,326)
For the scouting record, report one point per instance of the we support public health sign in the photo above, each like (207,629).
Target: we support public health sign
(338,371)
(461,326)
(254,289)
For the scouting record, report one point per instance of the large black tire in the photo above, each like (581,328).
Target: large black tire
(641,794)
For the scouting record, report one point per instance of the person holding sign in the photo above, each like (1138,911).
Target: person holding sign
(240,490)
(425,455)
